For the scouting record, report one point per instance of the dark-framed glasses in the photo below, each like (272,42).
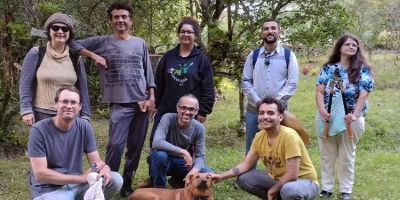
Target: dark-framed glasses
(188,32)
(55,28)
(187,108)
(66,102)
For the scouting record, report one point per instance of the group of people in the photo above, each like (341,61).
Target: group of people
(54,101)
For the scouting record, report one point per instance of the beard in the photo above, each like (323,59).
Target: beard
(270,41)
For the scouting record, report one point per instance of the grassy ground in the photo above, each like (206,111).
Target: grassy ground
(378,152)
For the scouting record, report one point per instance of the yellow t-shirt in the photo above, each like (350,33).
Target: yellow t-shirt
(288,144)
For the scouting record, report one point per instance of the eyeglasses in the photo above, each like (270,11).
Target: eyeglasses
(183,32)
(55,28)
(69,102)
(186,108)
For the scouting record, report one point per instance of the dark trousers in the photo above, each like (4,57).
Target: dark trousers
(39,116)
(128,125)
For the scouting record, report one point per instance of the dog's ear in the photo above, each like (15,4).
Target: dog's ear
(188,180)
(209,176)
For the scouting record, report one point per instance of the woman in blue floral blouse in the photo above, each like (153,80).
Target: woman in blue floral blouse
(347,66)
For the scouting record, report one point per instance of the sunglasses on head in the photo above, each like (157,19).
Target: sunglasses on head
(55,28)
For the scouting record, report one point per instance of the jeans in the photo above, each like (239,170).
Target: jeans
(162,165)
(77,191)
(258,183)
(251,128)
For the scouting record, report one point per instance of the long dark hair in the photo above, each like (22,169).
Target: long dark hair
(356,61)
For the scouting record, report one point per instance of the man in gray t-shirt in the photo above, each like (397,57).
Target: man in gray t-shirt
(127,85)
(55,151)
(179,145)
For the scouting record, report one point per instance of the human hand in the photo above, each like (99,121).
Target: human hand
(189,175)
(141,105)
(105,172)
(149,105)
(186,156)
(325,115)
(274,191)
(216,177)
(350,117)
(201,118)
(99,61)
(29,119)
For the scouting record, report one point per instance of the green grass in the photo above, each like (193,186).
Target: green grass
(378,153)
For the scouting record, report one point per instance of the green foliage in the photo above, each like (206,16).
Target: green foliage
(318,27)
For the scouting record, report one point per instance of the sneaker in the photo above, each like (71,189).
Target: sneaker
(325,194)
(345,196)
(176,182)
(125,191)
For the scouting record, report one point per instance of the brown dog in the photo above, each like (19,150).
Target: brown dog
(199,187)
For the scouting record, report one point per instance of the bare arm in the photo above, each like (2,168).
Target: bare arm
(102,167)
(319,97)
(291,174)
(246,165)
(46,175)
(362,99)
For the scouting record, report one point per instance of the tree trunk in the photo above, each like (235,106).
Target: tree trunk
(8,74)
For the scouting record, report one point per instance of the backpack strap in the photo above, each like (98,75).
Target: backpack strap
(286,53)
(42,51)
(287,57)
(255,56)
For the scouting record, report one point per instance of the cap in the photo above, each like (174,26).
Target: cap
(59,18)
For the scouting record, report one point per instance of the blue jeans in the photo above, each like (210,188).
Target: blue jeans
(77,191)
(162,165)
(251,128)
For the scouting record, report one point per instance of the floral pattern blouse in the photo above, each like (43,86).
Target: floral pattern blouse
(351,91)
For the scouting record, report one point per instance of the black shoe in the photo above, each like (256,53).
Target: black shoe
(345,196)
(325,194)
(176,182)
(125,191)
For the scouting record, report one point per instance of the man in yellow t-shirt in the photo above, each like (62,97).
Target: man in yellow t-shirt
(290,172)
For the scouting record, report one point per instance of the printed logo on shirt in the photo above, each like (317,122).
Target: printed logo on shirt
(179,74)
(271,163)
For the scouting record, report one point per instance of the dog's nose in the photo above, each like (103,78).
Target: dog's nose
(202,185)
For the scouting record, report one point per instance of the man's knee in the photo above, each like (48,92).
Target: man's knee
(291,191)
(206,170)
(244,181)
(159,157)
(116,182)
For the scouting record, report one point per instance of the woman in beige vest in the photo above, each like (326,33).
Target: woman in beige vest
(47,68)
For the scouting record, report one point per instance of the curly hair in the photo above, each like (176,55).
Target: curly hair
(191,21)
(272,100)
(120,6)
